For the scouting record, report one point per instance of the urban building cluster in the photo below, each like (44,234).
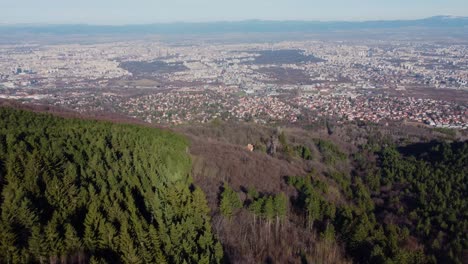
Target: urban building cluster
(383,108)
(262,82)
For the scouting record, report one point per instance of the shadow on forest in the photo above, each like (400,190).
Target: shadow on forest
(418,149)
(432,151)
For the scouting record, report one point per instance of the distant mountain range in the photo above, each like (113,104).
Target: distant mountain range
(248,26)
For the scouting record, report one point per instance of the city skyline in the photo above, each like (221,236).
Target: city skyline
(122,12)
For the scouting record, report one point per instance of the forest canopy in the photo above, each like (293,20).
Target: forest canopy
(77,191)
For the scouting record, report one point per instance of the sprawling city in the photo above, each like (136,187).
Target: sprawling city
(234,132)
(408,81)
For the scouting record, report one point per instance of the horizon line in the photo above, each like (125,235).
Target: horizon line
(224,21)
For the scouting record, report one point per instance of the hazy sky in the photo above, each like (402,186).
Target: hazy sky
(149,11)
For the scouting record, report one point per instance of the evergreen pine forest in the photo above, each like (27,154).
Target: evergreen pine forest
(75,191)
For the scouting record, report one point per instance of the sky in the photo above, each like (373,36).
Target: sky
(119,12)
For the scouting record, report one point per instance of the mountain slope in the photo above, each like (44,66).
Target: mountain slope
(77,191)
(366,193)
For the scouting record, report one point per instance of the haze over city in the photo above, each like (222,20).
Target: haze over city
(149,11)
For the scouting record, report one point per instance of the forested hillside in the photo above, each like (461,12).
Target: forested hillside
(75,191)
(369,195)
